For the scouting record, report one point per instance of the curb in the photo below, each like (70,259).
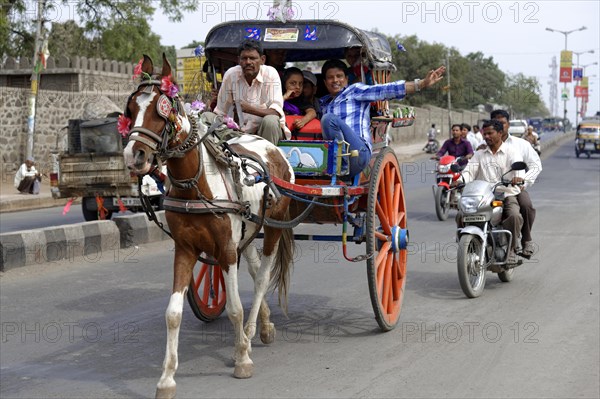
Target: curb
(89,240)
(137,229)
(29,247)
(18,204)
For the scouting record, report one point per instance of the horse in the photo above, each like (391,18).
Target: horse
(160,128)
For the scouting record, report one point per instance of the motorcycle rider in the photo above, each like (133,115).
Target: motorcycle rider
(532,137)
(430,136)
(456,146)
(532,159)
(490,165)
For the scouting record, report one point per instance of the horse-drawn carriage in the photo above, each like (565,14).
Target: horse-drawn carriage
(373,204)
(206,216)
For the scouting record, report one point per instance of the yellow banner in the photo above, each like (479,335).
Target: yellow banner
(566,59)
(190,78)
(584,82)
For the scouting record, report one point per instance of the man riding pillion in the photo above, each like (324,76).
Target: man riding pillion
(346,108)
(532,159)
(490,165)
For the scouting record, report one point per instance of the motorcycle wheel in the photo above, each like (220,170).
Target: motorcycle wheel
(507,275)
(471,273)
(441,206)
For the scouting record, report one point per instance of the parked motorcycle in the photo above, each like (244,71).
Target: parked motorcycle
(483,243)
(445,196)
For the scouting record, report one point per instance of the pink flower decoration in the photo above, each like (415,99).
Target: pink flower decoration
(123,125)
(137,71)
(230,123)
(168,87)
(198,106)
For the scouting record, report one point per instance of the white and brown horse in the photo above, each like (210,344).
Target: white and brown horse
(160,127)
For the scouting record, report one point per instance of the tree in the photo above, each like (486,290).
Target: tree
(97,16)
(522,94)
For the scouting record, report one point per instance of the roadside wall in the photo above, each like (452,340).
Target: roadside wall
(426,116)
(68,87)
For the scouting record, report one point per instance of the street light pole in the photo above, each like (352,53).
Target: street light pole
(577,54)
(584,101)
(566,33)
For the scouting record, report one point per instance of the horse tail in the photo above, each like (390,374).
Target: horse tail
(282,268)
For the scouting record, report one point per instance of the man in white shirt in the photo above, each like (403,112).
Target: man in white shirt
(491,164)
(253,91)
(27,179)
(468,135)
(478,136)
(532,159)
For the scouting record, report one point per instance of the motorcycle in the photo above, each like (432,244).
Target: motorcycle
(482,243)
(446,197)
(432,145)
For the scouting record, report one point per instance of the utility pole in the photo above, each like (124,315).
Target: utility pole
(35,76)
(553,87)
(449,94)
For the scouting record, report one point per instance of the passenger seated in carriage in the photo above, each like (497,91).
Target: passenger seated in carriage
(299,111)
(346,108)
(251,90)
(353,57)
(310,91)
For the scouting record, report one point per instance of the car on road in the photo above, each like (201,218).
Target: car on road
(517,127)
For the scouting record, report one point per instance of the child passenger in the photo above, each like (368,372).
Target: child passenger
(294,101)
(310,91)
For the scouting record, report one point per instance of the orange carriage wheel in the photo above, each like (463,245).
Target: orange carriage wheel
(206,293)
(387,238)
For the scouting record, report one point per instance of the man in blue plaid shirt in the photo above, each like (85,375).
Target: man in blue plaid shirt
(346,108)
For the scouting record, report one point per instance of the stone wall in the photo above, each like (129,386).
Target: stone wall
(69,87)
(54,109)
(425,117)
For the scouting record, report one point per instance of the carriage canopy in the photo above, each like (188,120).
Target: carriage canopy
(304,40)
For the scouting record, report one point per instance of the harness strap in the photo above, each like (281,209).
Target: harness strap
(200,206)
(144,140)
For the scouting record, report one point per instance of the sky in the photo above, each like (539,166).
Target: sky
(513,32)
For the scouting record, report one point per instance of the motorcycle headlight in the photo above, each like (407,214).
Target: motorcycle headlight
(470,204)
(444,168)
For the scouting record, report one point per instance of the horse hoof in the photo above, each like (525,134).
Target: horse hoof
(165,393)
(267,334)
(243,371)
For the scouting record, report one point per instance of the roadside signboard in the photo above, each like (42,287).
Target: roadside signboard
(577,74)
(566,65)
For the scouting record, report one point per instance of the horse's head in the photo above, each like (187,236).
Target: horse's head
(156,116)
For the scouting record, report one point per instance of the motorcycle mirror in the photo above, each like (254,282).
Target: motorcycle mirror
(519,166)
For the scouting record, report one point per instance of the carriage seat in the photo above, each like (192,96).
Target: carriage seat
(311,131)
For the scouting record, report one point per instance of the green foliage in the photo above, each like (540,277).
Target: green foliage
(522,93)
(116,30)
(474,78)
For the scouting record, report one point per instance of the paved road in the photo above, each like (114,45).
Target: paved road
(95,327)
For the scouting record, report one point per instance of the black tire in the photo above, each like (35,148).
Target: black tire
(90,212)
(506,276)
(441,206)
(471,273)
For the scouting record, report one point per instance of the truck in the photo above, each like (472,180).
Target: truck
(92,167)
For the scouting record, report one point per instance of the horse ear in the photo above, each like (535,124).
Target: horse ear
(166,68)
(147,65)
